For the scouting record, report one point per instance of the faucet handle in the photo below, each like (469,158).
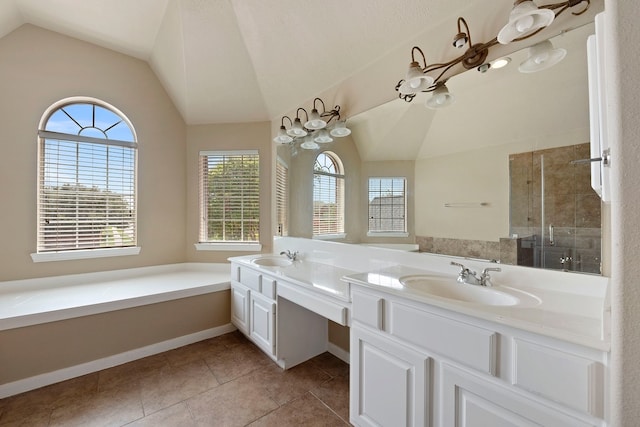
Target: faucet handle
(485,277)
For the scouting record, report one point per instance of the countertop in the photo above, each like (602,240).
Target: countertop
(320,277)
(566,316)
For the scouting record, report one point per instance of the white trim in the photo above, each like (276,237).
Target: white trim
(228,152)
(331,236)
(387,234)
(84,254)
(338,352)
(31,383)
(229,246)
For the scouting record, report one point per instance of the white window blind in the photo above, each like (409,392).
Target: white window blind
(282,198)
(328,195)
(86,181)
(387,205)
(229,196)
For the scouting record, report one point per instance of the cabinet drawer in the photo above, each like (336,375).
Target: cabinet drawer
(367,309)
(250,278)
(268,287)
(564,377)
(464,343)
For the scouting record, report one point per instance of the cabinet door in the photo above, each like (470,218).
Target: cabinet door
(262,322)
(471,401)
(240,307)
(389,383)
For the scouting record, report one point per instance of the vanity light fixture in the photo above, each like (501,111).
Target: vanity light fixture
(525,20)
(317,128)
(542,56)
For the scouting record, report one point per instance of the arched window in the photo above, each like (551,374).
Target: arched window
(328,195)
(86,178)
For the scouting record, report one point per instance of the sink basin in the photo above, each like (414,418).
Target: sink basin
(272,261)
(450,289)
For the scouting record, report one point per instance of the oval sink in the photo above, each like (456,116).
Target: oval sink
(272,261)
(450,289)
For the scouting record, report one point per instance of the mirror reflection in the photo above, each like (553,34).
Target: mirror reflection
(490,176)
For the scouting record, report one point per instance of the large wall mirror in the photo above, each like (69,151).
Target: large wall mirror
(491,176)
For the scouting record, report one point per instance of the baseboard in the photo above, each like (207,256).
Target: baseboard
(338,352)
(31,383)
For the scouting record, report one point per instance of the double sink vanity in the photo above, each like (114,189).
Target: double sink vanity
(425,349)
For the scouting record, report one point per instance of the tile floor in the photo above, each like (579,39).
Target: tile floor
(223,381)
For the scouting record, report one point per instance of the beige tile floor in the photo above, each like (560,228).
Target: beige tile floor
(223,381)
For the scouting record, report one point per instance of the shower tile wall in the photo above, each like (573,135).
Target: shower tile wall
(570,205)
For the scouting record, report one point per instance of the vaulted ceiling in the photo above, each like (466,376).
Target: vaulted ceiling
(252,60)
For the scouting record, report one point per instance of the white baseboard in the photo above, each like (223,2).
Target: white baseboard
(338,352)
(31,383)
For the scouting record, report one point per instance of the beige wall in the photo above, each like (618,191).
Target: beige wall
(39,68)
(39,349)
(233,136)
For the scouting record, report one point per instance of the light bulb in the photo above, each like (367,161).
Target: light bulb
(415,83)
(524,24)
(541,58)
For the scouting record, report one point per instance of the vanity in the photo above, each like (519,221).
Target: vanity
(425,350)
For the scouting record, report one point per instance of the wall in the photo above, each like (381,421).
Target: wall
(623,110)
(75,341)
(232,136)
(39,68)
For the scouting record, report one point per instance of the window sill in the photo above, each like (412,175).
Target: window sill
(331,236)
(84,254)
(244,247)
(387,234)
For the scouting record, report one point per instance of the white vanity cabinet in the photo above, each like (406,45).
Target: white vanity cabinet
(253,306)
(415,364)
(285,319)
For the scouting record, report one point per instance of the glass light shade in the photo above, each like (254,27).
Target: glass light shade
(340,129)
(525,19)
(308,144)
(282,137)
(541,57)
(297,130)
(416,80)
(441,98)
(315,121)
(323,137)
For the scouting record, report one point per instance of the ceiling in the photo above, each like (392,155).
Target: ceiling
(245,60)
(224,61)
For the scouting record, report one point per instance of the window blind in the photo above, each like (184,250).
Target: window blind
(229,196)
(282,198)
(86,195)
(387,205)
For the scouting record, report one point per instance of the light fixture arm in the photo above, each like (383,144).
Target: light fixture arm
(305,113)
(288,118)
(475,55)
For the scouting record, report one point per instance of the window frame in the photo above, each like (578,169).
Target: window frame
(224,245)
(63,254)
(387,233)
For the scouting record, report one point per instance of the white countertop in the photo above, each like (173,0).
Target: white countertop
(567,316)
(321,277)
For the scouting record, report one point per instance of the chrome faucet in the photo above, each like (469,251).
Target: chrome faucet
(469,277)
(291,255)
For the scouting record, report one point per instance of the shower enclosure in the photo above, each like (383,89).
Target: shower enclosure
(554,212)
